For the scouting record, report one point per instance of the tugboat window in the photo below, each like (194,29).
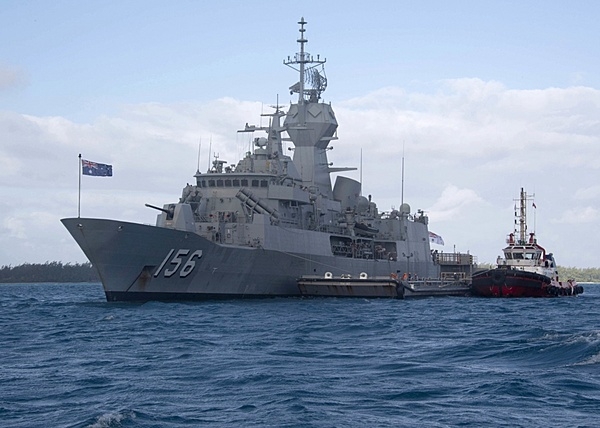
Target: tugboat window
(244,182)
(254,183)
(236,183)
(211,183)
(227,183)
(219,183)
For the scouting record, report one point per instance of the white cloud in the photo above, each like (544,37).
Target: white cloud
(452,203)
(469,145)
(579,215)
(587,193)
(14,227)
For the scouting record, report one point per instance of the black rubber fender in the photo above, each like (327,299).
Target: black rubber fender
(498,277)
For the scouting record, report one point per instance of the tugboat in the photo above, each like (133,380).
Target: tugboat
(526,270)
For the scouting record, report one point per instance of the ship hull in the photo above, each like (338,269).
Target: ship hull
(518,283)
(139,262)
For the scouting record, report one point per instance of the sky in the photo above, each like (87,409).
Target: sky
(482,98)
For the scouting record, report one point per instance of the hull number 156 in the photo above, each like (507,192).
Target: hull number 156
(172,263)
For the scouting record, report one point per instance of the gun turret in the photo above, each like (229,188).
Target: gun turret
(159,209)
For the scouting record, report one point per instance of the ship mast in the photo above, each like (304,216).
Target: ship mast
(522,217)
(306,67)
(309,123)
(302,59)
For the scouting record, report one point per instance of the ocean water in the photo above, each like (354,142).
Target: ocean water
(70,359)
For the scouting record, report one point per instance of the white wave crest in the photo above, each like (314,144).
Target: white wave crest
(109,420)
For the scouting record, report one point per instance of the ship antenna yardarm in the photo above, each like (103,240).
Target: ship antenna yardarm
(303,60)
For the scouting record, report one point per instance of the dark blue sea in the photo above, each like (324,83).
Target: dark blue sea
(70,359)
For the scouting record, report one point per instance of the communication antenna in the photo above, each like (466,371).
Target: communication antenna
(209,151)
(199,150)
(402,169)
(312,82)
(361,167)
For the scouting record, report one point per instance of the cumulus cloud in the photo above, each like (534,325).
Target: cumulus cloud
(579,215)
(453,202)
(470,146)
(470,118)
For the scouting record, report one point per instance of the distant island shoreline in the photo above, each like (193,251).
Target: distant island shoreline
(49,272)
(85,272)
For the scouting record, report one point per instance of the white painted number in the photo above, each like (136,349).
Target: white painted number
(189,266)
(176,262)
(162,265)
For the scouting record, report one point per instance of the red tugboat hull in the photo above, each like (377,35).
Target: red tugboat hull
(516,283)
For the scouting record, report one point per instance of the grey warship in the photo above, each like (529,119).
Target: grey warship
(254,228)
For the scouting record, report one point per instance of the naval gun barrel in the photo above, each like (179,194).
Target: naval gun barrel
(158,208)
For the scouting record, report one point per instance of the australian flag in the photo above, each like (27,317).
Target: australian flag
(96,169)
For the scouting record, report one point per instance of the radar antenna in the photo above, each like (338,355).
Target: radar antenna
(312,82)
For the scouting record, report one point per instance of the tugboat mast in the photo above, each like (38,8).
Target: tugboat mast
(523,217)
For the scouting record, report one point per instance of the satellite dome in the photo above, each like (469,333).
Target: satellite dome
(260,142)
(362,204)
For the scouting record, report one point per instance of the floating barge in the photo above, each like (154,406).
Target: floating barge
(346,286)
(437,288)
(380,287)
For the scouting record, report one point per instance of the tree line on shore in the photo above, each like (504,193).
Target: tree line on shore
(84,272)
(49,272)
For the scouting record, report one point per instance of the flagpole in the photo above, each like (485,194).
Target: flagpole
(534,217)
(79,193)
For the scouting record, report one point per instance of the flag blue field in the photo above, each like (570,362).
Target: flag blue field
(96,169)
